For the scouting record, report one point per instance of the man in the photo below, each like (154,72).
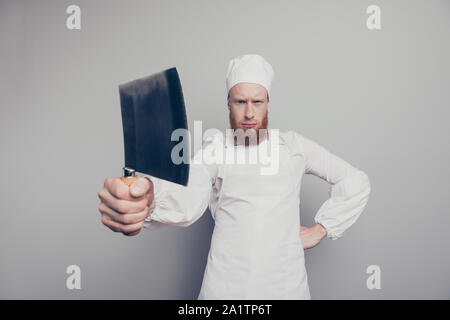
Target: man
(257,247)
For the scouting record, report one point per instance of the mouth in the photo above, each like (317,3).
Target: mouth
(249,124)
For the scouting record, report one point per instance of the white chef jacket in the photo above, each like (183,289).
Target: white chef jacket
(256,251)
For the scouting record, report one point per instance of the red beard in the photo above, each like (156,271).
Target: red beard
(234,124)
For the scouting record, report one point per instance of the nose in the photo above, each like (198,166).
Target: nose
(249,112)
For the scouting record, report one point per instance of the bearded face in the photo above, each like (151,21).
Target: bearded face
(248,104)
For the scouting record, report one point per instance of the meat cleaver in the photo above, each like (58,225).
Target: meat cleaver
(152,108)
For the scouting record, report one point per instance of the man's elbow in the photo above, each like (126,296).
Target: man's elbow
(365,182)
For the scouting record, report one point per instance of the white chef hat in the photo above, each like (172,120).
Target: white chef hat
(249,68)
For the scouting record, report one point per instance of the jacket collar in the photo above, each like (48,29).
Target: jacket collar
(229,138)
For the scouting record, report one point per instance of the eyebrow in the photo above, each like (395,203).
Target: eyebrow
(245,99)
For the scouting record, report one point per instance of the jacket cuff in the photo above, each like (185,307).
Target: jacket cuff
(152,222)
(330,232)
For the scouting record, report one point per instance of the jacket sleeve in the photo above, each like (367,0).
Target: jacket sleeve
(179,205)
(348,192)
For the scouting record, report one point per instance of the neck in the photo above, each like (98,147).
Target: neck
(260,137)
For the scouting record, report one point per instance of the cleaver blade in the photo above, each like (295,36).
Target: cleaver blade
(152,108)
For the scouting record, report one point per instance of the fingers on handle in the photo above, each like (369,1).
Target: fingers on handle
(140,187)
(118,188)
(118,227)
(135,233)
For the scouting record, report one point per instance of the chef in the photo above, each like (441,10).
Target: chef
(257,246)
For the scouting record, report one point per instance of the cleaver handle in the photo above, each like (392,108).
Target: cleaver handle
(128,178)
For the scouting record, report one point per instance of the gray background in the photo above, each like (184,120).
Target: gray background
(379,99)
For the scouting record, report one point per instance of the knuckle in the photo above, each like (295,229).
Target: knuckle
(121,192)
(127,219)
(141,207)
(101,194)
(108,223)
(105,220)
(123,207)
(143,216)
(129,228)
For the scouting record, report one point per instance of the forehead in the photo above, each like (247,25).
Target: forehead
(248,90)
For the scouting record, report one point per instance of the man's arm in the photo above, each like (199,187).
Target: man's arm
(183,205)
(349,188)
(180,205)
(153,202)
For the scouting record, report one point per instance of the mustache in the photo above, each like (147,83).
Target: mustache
(234,124)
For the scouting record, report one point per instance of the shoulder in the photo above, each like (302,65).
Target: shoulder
(288,137)
(294,135)
(298,142)
(213,138)
(205,157)
(210,141)
(291,137)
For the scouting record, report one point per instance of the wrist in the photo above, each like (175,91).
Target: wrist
(323,232)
